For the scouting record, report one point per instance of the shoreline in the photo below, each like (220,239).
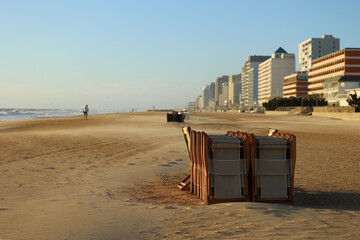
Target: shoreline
(58,117)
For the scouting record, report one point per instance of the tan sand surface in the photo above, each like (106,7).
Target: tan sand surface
(114,177)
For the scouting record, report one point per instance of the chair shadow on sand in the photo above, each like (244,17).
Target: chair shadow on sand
(327,200)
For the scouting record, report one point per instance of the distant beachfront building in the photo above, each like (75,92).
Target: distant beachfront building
(314,48)
(206,96)
(296,84)
(212,91)
(199,102)
(218,88)
(234,89)
(249,81)
(224,95)
(272,73)
(334,74)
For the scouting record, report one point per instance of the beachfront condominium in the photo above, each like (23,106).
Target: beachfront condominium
(335,73)
(224,96)
(295,84)
(212,91)
(314,48)
(249,81)
(218,88)
(206,96)
(212,96)
(199,102)
(234,89)
(271,75)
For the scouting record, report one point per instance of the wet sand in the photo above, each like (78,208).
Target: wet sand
(114,177)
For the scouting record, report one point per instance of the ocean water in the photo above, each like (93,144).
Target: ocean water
(18,113)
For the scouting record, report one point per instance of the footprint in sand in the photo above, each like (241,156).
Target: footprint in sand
(179,160)
(153,207)
(50,168)
(4,209)
(166,165)
(172,162)
(131,204)
(132,164)
(261,208)
(170,207)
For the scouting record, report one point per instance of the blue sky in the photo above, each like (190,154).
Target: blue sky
(139,54)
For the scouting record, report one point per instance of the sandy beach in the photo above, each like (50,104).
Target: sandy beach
(114,176)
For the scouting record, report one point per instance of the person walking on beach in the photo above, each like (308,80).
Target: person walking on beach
(85,111)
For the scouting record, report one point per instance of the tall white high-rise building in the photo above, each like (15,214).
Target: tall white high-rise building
(199,102)
(234,89)
(206,96)
(212,91)
(314,48)
(224,94)
(249,81)
(272,73)
(218,88)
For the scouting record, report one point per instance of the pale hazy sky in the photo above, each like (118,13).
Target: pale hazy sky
(136,54)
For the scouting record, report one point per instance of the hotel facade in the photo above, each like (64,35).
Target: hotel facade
(272,73)
(218,88)
(334,74)
(314,48)
(296,84)
(234,89)
(206,96)
(249,81)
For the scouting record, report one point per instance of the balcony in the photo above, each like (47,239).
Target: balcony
(331,89)
(336,97)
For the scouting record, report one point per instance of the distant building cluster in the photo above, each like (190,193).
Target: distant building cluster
(322,69)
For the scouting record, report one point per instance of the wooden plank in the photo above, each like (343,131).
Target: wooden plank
(186,132)
(194,145)
(203,183)
(198,163)
(206,164)
(255,191)
(184,186)
(192,178)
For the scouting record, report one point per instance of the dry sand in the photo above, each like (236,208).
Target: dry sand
(114,177)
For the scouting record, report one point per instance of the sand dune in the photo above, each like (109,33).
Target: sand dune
(114,177)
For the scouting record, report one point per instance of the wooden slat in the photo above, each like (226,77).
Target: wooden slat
(192,178)
(186,132)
